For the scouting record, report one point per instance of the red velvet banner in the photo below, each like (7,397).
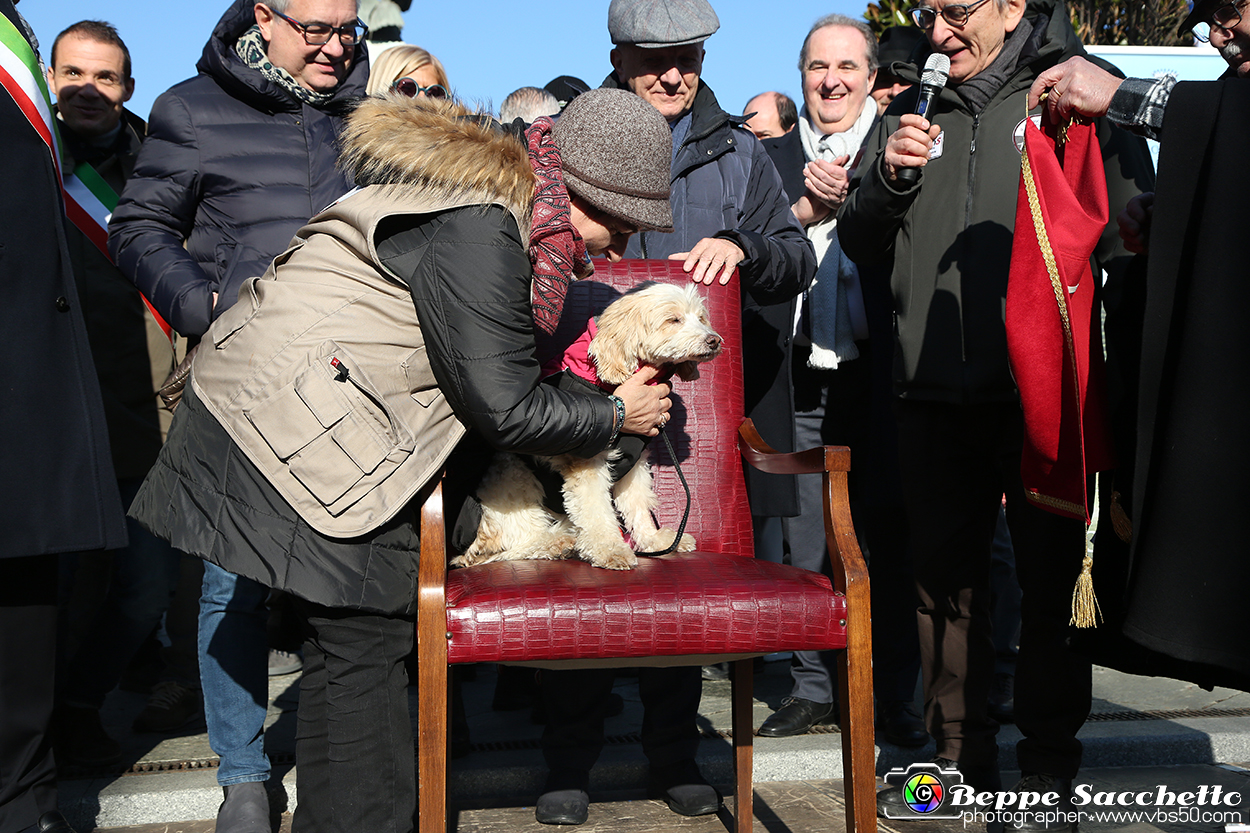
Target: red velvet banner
(1053,328)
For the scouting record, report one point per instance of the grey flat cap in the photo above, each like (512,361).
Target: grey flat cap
(653,24)
(616,151)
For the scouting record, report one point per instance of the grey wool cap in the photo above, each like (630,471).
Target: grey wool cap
(653,24)
(616,151)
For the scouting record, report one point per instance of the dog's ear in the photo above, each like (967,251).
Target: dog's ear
(687,371)
(611,350)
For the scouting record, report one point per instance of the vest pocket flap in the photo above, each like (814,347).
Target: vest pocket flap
(285,422)
(321,393)
(325,469)
(361,442)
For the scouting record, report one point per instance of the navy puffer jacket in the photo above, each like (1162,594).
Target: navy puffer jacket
(234,165)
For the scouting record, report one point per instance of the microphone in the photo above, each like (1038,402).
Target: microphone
(936,70)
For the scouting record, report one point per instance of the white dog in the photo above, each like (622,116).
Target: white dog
(653,324)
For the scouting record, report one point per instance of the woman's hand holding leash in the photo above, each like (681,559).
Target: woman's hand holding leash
(646,402)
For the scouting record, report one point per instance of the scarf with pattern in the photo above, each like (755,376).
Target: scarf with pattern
(251,49)
(557,251)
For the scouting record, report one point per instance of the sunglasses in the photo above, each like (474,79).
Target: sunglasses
(410,88)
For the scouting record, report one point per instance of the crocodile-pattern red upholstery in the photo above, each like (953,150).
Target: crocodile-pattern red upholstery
(712,601)
(674,605)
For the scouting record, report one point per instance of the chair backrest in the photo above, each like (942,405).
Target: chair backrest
(706,412)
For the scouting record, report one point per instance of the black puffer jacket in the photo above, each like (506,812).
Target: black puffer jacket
(233,165)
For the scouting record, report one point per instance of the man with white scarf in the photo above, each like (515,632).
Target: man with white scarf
(837,391)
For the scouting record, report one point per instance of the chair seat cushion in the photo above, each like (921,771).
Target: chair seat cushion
(674,605)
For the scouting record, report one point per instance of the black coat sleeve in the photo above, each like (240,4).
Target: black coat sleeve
(874,210)
(155,215)
(470,280)
(780,261)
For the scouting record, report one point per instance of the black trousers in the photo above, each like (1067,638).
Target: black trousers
(840,407)
(957,462)
(354,746)
(27,681)
(576,700)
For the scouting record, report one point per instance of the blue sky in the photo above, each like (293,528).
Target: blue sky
(489,47)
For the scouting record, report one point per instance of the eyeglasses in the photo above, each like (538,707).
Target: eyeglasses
(1225,17)
(319,34)
(956,14)
(410,88)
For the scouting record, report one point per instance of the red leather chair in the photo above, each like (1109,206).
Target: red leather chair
(713,604)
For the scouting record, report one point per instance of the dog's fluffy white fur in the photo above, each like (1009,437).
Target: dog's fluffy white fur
(653,324)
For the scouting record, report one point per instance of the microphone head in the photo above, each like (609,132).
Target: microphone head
(936,70)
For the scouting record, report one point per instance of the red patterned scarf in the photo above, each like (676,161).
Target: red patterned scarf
(557,251)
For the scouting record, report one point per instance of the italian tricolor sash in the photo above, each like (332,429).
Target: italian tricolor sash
(89,201)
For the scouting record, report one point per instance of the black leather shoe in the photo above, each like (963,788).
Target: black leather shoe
(900,725)
(796,717)
(1002,702)
(53,822)
(1040,783)
(684,789)
(562,807)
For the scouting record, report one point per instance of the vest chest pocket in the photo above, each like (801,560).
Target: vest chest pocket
(330,426)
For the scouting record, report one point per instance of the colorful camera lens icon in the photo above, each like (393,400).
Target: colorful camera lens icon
(926,788)
(923,792)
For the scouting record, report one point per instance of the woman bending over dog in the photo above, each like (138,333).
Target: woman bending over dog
(324,403)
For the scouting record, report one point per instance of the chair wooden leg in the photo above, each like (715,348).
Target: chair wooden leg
(432,742)
(858,749)
(433,677)
(742,674)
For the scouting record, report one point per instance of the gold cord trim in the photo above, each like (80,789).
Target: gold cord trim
(1086,612)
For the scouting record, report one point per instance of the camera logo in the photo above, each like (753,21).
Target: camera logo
(925,789)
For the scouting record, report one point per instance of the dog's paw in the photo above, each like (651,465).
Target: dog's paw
(615,557)
(664,539)
(467,560)
(617,561)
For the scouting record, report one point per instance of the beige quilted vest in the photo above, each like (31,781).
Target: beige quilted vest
(319,371)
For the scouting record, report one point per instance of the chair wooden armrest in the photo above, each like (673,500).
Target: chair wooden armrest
(850,577)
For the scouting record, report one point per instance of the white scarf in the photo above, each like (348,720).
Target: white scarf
(841,318)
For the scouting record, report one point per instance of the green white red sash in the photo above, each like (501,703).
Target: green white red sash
(89,201)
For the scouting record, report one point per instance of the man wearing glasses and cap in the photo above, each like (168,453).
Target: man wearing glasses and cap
(943,241)
(1187,303)
(237,160)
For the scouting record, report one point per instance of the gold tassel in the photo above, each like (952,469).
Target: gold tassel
(1085,610)
(1120,521)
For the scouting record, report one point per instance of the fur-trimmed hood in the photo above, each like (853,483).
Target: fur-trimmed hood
(441,148)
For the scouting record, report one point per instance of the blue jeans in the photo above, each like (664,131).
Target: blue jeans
(140,582)
(234,673)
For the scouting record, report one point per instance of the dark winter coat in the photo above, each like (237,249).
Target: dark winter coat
(724,185)
(132,356)
(947,239)
(233,166)
(58,486)
(1172,602)
(468,273)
